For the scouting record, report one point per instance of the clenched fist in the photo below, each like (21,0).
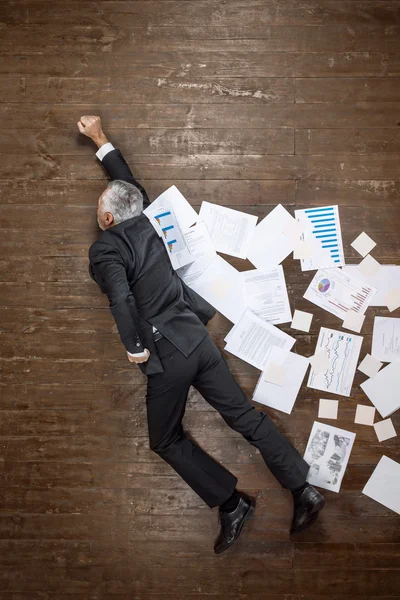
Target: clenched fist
(90,125)
(141,359)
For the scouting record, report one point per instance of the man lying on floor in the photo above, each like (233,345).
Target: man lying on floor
(162,324)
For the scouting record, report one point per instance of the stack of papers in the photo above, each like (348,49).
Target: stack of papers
(252,339)
(282,394)
(383,389)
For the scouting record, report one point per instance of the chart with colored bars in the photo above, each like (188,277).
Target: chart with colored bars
(322,227)
(167,224)
(342,351)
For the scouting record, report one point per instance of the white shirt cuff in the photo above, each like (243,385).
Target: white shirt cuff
(103,150)
(138,354)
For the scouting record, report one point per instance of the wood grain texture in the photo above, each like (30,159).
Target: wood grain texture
(243,103)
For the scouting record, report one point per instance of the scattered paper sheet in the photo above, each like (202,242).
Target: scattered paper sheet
(266,294)
(365,415)
(173,199)
(202,251)
(252,339)
(337,292)
(328,409)
(319,362)
(230,230)
(386,278)
(363,244)
(221,285)
(274,374)
(166,223)
(284,396)
(392,299)
(342,351)
(325,235)
(369,267)
(353,321)
(328,452)
(302,320)
(369,366)
(384,484)
(383,389)
(384,430)
(269,246)
(386,339)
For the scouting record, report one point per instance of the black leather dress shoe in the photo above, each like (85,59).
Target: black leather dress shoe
(306,509)
(232,523)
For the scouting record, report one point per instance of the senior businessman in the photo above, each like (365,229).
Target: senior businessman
(162,324)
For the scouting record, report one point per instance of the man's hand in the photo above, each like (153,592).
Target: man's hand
(90,126)
(142,359)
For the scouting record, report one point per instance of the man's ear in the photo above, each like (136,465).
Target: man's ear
(109,219)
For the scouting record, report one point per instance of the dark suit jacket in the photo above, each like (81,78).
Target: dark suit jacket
(130,264)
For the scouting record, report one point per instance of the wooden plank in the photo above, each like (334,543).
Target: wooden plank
(355,90)
(208,64)
(363,556)
(208,12)
(164,166)
(347,580)
(154,141)
(345,141)
(367,193)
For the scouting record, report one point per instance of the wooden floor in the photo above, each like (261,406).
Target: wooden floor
(247,103)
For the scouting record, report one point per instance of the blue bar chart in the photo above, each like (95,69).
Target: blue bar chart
(322,225)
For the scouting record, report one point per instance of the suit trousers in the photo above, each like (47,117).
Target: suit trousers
(206,370)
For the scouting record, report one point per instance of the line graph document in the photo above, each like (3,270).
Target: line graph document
(337,292)
(386,339)
(342,351)
(325,237)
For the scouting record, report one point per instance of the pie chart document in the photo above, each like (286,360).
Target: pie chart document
(338,292)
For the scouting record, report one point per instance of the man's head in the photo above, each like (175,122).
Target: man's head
(119,201)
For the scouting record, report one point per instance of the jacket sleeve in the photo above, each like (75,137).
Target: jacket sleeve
(108,270)
(117,168)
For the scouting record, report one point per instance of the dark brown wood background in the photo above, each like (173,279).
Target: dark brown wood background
(245,103)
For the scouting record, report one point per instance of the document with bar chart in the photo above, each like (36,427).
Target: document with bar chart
(336,292)
(342,351)
(322,227)
(166,224)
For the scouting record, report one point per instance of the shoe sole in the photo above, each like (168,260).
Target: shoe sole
(247,516)
(313,514)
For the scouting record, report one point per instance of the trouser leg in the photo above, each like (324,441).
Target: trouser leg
(166,402)
(218,386)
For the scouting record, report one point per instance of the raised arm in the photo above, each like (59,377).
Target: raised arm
(110,157)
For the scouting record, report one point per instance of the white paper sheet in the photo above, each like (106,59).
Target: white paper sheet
(269,246)
(363,244)
(252,339)
(386,339)
(392,299)
(369,267)
(202,251)
(369,366)
(230,230)
(383,281)
(385,430)
(328,409)
(365,415)
(353,321)
(301,320)
(337,292)
(342,351)
(266,294)
(173,199)
(166,223)
(282,397)
(328,452)
(384,484)
(221,285)
(325,236)
(383,389)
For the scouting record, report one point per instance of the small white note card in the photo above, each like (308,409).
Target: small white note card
(328,409)
(363,244)
(369,366)
(302,320)
(353,321)
(369,266)
(384,484)
(365,415)
(384,430)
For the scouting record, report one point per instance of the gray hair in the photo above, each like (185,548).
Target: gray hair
(123,200)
